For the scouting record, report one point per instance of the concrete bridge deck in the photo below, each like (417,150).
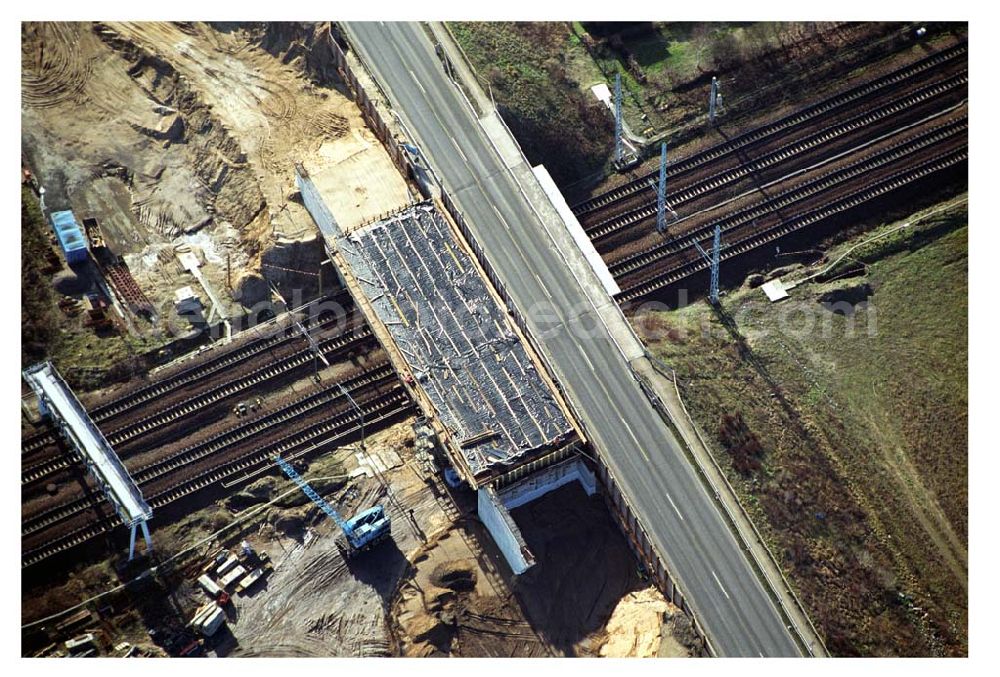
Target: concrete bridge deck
(556,293)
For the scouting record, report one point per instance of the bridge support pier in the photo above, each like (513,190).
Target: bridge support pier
(145,537)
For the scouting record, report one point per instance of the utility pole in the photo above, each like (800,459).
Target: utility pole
(619,145)
(661,192)
(713,260)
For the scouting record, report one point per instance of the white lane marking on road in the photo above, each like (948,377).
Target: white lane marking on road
(459,149)
(502,219)
(720,585)
(542,285)
(418,82)
(590,364)
(674,506)
(625,424)
(506,225)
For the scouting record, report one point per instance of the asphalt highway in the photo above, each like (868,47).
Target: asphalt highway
(679,515)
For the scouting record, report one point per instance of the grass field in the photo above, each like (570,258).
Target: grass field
(533,69)
(840,415)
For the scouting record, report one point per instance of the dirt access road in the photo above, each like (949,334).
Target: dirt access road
(440,587)
(186,135)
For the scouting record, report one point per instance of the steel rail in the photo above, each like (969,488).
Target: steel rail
(218,443)
(193,373)
(786,226)
(378,409)
(830,105)
(824,182)
(619,222)
(331,347)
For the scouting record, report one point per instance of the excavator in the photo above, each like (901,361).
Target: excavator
(360,533)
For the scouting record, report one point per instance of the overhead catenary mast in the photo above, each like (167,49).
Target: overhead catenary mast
(713,260)
(661,192)
(619,142)
(713,99)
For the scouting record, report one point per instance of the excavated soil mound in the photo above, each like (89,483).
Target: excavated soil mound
(635,626)
(69,283)
(434,634)
(291,526)
(459,575)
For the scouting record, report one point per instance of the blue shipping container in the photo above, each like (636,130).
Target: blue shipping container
(70,236)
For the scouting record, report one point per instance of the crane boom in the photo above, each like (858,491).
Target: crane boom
(316,498)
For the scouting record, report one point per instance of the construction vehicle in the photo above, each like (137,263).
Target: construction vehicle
(362,532)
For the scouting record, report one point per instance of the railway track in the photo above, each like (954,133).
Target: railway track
(615,224)
(133,399)
(779,128)
(829,181)
(377,409)
(217,444)
(330,348)
(694,263)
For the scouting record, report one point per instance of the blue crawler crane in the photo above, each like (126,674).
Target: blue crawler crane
(362,532)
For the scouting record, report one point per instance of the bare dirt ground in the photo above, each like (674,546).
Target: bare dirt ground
(458,602)
(636,628)
(184,137)
(315,603)
(438,588)
(358,178)
(280,118)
